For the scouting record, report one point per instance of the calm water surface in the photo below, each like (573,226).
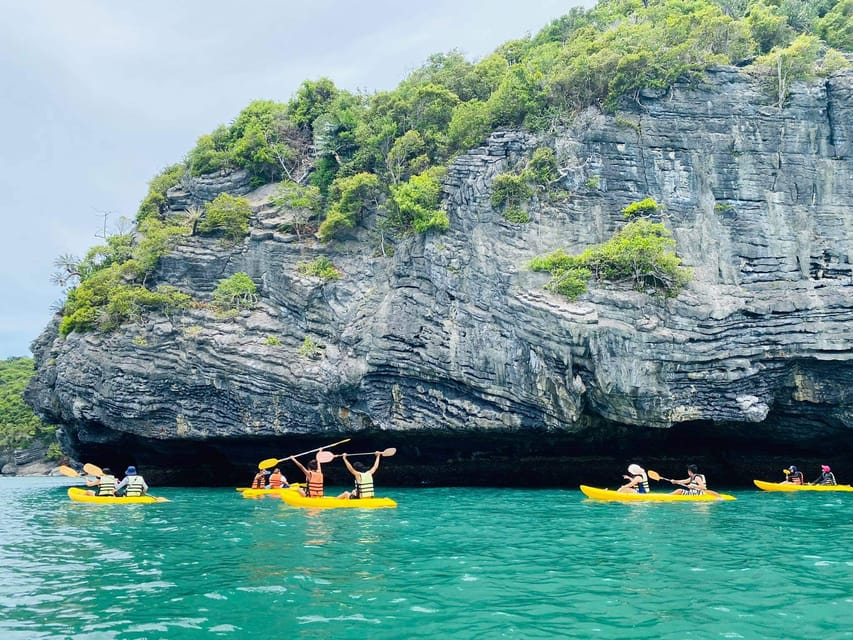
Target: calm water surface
(447,563)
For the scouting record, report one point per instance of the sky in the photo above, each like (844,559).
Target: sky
(98,96)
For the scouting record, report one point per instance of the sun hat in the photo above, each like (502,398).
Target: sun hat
(635,469)
(130,471)
(825,467)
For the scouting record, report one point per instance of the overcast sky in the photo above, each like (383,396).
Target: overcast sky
(98,96)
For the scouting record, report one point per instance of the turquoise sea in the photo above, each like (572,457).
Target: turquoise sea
(447,563)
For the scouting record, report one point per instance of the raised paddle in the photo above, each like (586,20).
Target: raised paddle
(269,463)
(390,451)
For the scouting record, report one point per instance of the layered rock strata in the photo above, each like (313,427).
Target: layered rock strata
(453,346)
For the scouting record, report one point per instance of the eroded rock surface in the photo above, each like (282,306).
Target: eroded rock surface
(452,339)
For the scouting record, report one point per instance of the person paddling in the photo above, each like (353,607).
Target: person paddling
(638,480)
(826,476)
(693,484)
(363,478)
(313,478)
(260,479)
(133,485)
(106,484)
(793,476)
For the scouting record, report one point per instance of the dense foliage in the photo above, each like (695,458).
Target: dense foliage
(641,253)
(19,426)
(346,159)
(228,215)
(450,104)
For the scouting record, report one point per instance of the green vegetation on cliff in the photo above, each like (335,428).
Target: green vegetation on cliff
(19,426)
(325,135)
(641,253)
(345,160)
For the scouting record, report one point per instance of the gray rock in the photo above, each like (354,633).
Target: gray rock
(454,335)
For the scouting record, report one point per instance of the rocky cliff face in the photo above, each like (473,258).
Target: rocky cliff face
(451,349)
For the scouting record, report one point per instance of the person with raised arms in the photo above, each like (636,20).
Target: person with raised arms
(313,477)
(363,478)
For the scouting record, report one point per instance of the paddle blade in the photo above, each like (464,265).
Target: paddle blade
(68,471)
(93,470)
(390,451)
(325,456)
(654,475)
(269,463)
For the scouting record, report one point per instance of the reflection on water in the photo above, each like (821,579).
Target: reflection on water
(447,563)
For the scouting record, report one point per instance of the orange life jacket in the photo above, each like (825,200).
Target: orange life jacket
(315,484)
(260,481)
(276,480)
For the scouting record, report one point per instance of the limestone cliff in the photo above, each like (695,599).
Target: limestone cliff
(452,349)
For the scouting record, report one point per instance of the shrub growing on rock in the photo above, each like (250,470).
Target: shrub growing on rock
(641,253)
(235,292)
(227,214)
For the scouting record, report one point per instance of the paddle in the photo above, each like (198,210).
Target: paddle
(654,475)
(390,451)
(68,471)
(88,469)
(92,470)
(269,463)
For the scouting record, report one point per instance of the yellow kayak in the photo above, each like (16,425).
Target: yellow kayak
(79,495)
(778,486)
(294,499)
(608,494)
(260,493)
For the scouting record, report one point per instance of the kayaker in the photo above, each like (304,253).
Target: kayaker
(313,478)
(260,479)
(826,476)
(793,476)
(132,485)
(638,480)
(277,480)
(693,484)
(363,478)
(106,484)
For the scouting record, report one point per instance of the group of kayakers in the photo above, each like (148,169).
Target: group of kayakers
(132,485)
(695,484)
(794,476)
(638,481)
(314,480)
